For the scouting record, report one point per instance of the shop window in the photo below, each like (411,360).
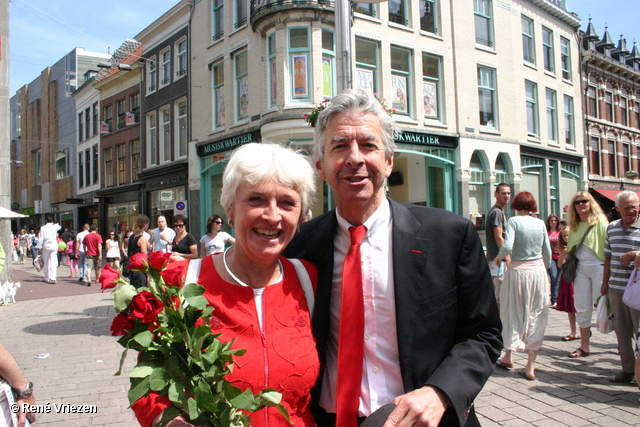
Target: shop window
(565,58)
(547,49)
(477,188)
(569,122)
(217,20)
(553,188)
(533,178)
(483,16)
(121,152)
(502,173)
(152,75)
(181,58)
(328,64)
(429,16)
(108,167)
(552,116)
(528,44)
(152,138)
(487,97)
(181,128)
(242,86)
(431,85)
(398,13)
(218,95)
(299,63)
(366,65)
(400,80)
(165,134)
(531,96)
(273,70)
(570,179)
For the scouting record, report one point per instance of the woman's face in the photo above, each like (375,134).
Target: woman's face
(217,224)
(565,234)
(553,222)
(582,205)
(265,218)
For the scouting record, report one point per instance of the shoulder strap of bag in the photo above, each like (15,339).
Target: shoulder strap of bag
(305,281)
(584,236)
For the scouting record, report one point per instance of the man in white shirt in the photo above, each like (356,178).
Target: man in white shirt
(48,247)
(432,330)
(162,236)
(82,262)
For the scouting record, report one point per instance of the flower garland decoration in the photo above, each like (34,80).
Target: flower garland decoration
(312,117)
(179,357)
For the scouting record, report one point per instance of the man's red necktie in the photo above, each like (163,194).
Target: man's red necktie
(351,336)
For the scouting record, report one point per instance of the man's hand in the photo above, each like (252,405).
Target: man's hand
(423,407)
(627,258)
(22,416)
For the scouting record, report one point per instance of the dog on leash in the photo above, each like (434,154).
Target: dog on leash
(8,292)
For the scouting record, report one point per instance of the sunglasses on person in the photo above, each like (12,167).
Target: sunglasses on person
(217,222)
(178,225)
(581,202)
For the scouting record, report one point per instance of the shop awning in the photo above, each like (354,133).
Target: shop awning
(609,194)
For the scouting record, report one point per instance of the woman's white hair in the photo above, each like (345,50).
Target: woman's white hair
(254,163)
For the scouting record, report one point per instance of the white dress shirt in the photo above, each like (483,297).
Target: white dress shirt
(381,376)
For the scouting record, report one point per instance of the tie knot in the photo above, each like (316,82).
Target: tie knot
(357,234)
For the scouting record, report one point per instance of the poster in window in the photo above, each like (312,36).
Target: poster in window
(430,96)
(300,81)
(364,79)
(220,107)
(274,82)
(327,81)
(243,86)
(399,85)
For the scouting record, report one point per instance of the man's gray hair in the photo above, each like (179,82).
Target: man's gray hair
(626,194)
(359,101)
(254,163)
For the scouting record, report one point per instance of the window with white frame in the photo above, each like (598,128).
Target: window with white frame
(488,108)
(37,167)
(431,85)
(592,101)
(165,134)
(181,128)
(477,186)
(95,162)
(120,110)
(62,163)
(217,20)
(594,156)
(152,138)
(87,119)
(528,41)
(569,122)
(121,153)
(366,65)
(552,115)
(152,75)
(531,96)
(328,64)
(241,13)
(273,70)
(181,58)
(80,127)
(608,101)
(134,105)
(624,111)
(398,12)
(483,16)
(565,57)
(547,49)
(109,176)
(94,123)
(611,158)
(218,95)
(401,80)
(365,8)
(429,16)
(107,115)
(87,166)
(165,67)
(626,156)
(80,170)
(636,110)
(300,63)
(241,71)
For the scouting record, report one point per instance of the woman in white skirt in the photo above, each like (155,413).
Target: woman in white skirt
(524,297)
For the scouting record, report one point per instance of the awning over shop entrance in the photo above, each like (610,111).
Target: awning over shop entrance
(610,194)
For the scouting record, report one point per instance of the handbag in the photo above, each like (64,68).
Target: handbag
(631,295)
(570,265)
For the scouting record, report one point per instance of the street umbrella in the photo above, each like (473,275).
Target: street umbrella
(7,214)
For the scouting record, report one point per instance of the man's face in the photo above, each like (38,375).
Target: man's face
(162,222)
(354,162)
(628,209)
(503,195)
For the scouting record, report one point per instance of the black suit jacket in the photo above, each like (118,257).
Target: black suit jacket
(449,330)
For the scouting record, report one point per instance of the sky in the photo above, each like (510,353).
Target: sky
(43,31)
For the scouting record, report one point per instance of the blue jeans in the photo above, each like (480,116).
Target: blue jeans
(554,273)
(82,265)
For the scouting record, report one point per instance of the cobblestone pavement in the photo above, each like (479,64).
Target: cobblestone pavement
(73,330)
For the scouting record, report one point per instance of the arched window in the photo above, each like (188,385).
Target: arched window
(477,186)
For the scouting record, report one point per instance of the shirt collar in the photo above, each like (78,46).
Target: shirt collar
(376,223)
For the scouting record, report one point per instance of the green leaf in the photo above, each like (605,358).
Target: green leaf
(271,397)
(284,413)
(139,388)
(159,379)
(244,401)
(141,371)
(122,359)
(204,397)
(193,294)
(176,393)
(194,411)
(122,297)
(144,338)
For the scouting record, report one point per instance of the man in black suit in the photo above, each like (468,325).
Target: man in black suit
(432,328)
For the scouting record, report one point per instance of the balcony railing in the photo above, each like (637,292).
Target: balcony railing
(260,8)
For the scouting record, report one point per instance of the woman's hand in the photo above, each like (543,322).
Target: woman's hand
(176,422)
(176,257)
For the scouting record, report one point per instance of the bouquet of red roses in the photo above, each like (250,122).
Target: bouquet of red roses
(179,357)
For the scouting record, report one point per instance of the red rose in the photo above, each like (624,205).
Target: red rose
(138,261)
(109,277)
(158,259)
(145,307)
(199,322)
(173,276)
(121,325)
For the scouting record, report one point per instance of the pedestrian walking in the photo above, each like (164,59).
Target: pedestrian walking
(48,248)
